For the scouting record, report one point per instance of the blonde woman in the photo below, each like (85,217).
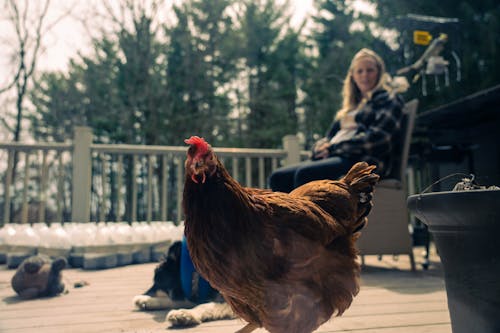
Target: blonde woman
(363,129)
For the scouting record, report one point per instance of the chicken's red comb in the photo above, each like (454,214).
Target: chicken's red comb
(198,142)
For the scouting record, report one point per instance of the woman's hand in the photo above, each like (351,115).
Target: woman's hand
(320,149)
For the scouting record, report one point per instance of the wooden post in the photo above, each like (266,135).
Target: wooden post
(292,147)
(82,159)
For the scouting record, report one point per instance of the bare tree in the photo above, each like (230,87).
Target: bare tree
(29,23)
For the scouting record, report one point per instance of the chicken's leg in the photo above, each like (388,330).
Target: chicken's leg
(248,328)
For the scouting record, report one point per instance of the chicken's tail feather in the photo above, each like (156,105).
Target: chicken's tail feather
(362,180)
(361,176)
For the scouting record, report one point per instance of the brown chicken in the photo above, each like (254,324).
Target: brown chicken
(285,262)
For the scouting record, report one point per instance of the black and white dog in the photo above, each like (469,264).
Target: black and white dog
(167,292)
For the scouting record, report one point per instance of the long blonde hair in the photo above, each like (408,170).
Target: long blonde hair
(351,95)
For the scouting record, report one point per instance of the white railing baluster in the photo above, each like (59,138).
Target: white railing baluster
(248,171)
(119,182)
(24,209)
(60,187)
(262,182)
(102,208)
(235,173)
(43,187)
(180,188)
(8,182)
(149,203)
(133,214)
(274,163)
(164,193)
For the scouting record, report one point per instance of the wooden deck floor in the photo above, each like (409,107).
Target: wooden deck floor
(392,300)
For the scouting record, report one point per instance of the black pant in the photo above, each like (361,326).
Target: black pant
(288,178)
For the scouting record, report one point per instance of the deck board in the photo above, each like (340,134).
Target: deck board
(392,300)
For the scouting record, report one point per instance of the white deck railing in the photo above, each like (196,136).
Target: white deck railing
(82,181)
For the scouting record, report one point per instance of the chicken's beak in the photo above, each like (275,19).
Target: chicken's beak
(198,169)
(194,178)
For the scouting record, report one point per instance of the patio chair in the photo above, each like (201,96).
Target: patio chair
(387,229)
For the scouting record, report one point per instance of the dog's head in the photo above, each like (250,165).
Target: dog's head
(167,275)
(39,276)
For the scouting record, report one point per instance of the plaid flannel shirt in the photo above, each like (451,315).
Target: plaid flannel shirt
(378,123)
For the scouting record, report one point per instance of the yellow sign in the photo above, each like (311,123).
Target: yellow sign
(421,37)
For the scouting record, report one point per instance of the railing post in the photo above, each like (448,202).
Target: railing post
(292,147)
(82,159)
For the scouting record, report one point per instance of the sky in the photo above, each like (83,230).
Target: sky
(69,36)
